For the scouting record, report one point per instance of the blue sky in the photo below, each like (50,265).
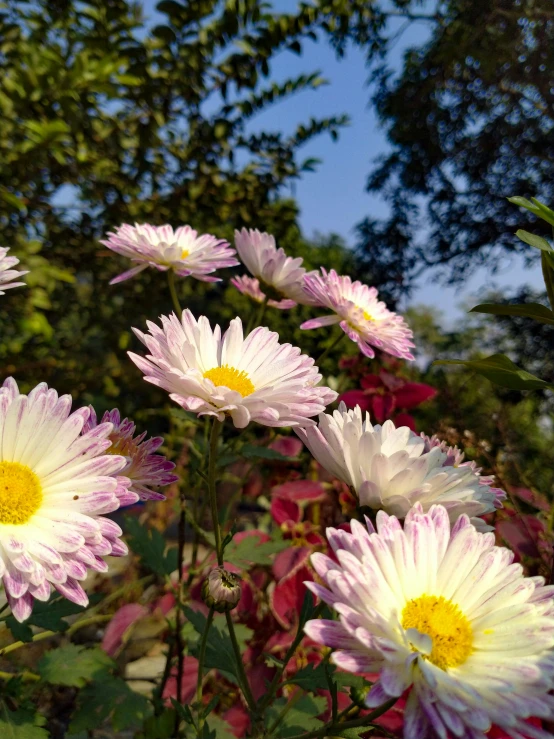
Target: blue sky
(333,199)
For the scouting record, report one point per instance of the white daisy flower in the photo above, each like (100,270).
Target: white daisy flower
(364,319)
(7,274)
(54,487)
(442,612)
(182,250)
(279,276)
(250,379)
(390,469)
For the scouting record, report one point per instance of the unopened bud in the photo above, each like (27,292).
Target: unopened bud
(359,695)
(221,590)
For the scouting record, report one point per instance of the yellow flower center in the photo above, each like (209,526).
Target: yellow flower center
(185,253)
(367,316)
(447,626)
(20,493)
(232,378)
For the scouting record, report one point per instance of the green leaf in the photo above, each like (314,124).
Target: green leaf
(218,728)
(110,697)
(160,727)
(501,371)
(50,615)
(20,632)
(150,546)
(533,240)
(350,680)
(219,650)
(300,718)
(260,452)
(536,207)
(311,678)
(21,725)
(548,275)
(536,311)
(11,199)
(250,551)
(73,666)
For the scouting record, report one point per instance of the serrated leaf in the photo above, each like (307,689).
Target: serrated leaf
(535,311)
(311,678)
(219,650)
(150,546)
(73,666)
(302,717)
(250,451)
(20,725)
(533,240)
(20,632)
(219,728)
(250,551)
(501,371)
(110,697)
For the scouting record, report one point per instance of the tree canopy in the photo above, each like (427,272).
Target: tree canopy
(471,121)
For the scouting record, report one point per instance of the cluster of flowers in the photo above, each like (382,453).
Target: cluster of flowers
(430,606)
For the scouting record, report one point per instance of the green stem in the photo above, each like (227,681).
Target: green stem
(257,318)
(330,348)
(355,723)
(547,275)
(288,706)
(173,292)
(178,638)
(245,685)
(201,659)
(214,436)
(272,689)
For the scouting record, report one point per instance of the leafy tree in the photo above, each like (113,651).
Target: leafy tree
(104,120)
(470,120)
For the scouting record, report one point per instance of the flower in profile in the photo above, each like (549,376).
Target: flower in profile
(250,379)
(182,250)
(251,286)
(55,484)
(144,468)
(279,276)
(362,317)
(7,274)
(389,468)
(445,613)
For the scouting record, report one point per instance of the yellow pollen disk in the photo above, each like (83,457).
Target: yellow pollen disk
(232,378)
(367,316)
(447,626)
(20,493)
(185,254)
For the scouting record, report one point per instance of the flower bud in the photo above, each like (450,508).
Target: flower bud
(221,590)
(359,695)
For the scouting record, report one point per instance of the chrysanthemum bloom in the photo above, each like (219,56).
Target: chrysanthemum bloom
(55,484)
(445,613)
(362,317)
(250,379)
(251,286)
(455,458)
(7,274)
(143,468)
(182,250)
(279,276)
(389,468)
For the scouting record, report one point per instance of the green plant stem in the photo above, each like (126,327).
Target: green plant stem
(212,492)
(355,723)
(201,659)
(272,689)
(257,318)
(245,685)
(330,348)
(179,646)
(173,292)
(286,708)
(27,677)
(81,624)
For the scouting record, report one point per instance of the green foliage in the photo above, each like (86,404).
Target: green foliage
(311,678)
(73,666)
(111,698)
(151,547)
(49,615)
(249,451)
(536,311)
(502,371)
(250,550)
(298,719)
(219,650)
(21,724)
